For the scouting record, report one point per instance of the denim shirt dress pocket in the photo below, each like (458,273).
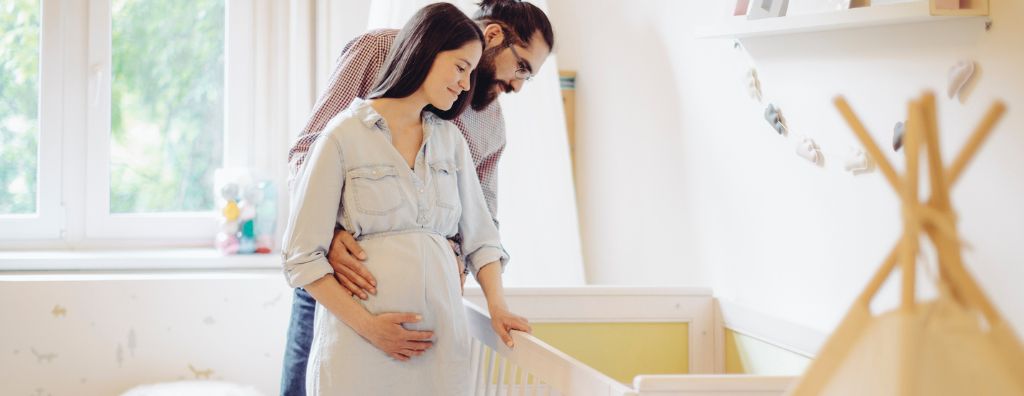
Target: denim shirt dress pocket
(376,189)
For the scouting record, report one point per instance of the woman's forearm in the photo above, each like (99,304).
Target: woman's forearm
(489,278)
(329,293)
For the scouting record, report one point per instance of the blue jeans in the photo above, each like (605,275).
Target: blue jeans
(300,338)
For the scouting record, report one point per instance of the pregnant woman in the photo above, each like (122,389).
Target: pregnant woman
(393,171)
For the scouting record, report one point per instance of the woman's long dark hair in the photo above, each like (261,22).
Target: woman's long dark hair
(433,29)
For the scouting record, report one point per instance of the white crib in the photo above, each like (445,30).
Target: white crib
(536,368)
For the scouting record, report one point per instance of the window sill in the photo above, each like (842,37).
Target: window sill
(134,260)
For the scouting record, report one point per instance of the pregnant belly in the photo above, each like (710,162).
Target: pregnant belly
(415,273)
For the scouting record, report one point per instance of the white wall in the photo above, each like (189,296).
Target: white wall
(682,182)
(67,334)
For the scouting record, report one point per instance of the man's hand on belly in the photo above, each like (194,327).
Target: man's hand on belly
(346,257)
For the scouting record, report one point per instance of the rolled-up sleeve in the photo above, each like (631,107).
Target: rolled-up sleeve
(315,204)
(481,241)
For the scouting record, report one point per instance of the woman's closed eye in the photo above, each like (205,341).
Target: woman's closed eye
(461,69)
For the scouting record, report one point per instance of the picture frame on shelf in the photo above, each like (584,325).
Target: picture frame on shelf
(884,2)
(760,9)
(741,7)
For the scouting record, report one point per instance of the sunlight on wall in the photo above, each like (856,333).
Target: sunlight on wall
(622,350)
(748,355)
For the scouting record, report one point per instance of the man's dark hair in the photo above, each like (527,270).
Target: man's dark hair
(519,21)
(522,18)
(433,29)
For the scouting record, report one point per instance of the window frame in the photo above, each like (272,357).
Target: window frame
(186,227)
(46,222)
(73,180)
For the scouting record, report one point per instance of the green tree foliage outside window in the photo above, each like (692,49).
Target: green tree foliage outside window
(167,101)
(19,105)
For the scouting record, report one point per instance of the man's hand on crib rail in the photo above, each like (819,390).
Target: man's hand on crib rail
(385,332)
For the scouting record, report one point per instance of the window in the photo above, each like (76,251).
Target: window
(167,104)
(19,107)
(114,115)
(29,150)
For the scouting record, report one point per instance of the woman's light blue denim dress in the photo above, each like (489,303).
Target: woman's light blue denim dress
(403,218)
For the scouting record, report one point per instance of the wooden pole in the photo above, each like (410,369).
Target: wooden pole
(995,112)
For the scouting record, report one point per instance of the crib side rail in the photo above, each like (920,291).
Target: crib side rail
(532,367)
(717,384)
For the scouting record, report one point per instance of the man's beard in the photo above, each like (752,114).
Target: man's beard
(484,93)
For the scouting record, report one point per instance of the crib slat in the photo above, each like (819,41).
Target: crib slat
(500,383)
(518,380)
(491,362)
(481,374)
(474,359)
(510,377)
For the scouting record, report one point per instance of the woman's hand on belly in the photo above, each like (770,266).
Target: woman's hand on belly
(385,332)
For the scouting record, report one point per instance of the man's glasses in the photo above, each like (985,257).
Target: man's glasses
(524,71)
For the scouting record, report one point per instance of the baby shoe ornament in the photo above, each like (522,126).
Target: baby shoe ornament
(753,85)
(857,161)
(897,135)
(773,115)
(958,77)
(808,150)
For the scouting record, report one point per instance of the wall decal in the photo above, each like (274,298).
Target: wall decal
(200,374)
(59,311)
(274,301)
(43,357)
(131,342)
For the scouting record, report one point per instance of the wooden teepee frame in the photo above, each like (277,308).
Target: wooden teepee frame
(933,218)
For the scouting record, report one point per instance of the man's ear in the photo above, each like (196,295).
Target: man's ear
(493,35)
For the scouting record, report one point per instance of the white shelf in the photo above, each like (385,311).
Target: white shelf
(893,14)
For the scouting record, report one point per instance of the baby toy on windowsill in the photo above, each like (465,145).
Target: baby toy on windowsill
(247,210)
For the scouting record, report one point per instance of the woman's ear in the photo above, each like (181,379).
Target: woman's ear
(494,35)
